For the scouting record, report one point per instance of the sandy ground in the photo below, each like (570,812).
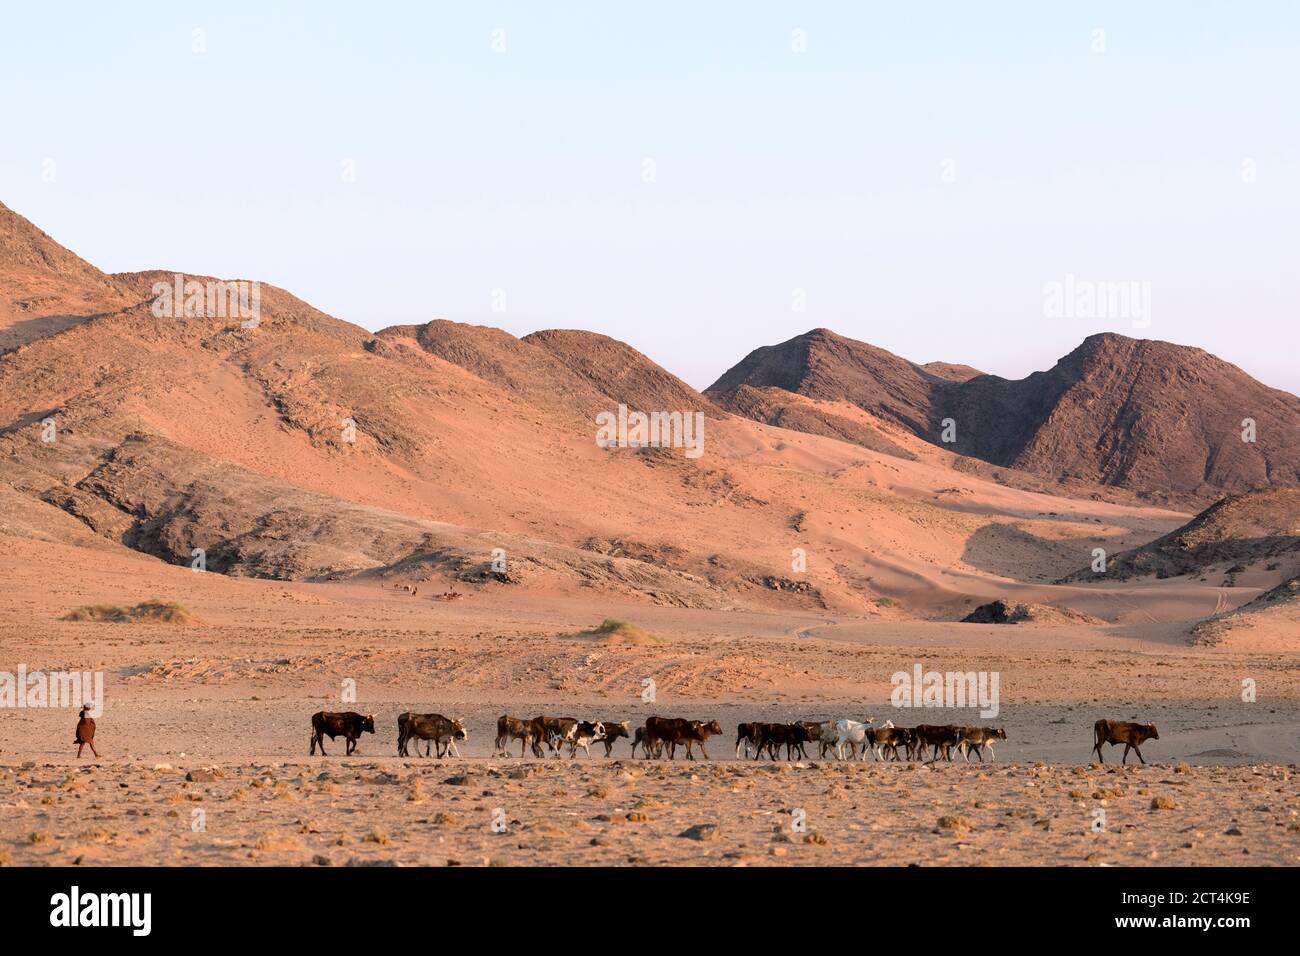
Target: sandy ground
(233,698)
(485,812)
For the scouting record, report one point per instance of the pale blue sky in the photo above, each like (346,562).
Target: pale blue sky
(776,170)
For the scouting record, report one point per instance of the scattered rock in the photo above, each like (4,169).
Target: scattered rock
(704,832)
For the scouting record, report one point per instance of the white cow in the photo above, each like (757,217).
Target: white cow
(827,738)
(853,733)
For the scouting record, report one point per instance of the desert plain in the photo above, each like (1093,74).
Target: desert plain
(204,737)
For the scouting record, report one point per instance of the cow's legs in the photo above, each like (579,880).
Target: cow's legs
(1136,750)
(1127,748)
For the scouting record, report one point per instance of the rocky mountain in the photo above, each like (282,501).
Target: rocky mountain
(306,447)
(44,287)
(1144,415)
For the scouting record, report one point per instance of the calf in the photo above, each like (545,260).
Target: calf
(442,732)
(586,734)
(86,732)
(349,725)
(512,728)
(1123,732)
(977,738)
(614,730)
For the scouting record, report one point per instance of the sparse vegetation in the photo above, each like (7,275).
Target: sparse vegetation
(148,612)
(621,632)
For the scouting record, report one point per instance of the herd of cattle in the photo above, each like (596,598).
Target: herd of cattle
(847,739)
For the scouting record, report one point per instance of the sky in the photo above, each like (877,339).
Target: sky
(697,180)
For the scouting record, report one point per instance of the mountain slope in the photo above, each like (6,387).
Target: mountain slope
(44,287)
(1143,415)
(308,447)
(621,372)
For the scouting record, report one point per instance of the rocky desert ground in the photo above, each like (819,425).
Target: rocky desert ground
(204,736)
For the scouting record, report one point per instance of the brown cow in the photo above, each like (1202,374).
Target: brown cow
(977,738)
(349,725)
(814,731)
(663,732)
(942,737)
(512,728)
(539,734)
(440,731)
(614,730)
(747,734)
(886,740)
(672,731)
(1129,734)
(86,732)
(697,733)
(648,747)
(773,736)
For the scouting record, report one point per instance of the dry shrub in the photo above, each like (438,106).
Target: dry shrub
(146,612)
(614,631)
